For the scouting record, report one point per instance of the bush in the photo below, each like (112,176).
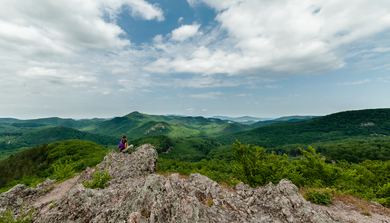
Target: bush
(322,196)
(384,195)
(256,168)
(63,171)
(100,179)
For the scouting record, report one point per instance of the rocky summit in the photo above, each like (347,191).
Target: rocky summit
(136,194)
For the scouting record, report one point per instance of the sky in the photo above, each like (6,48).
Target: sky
(262,58)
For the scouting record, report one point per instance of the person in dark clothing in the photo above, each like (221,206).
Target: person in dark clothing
(123,146)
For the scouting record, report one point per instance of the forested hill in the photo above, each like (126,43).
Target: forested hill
(295,118)
(36,163)
(9,120)
(327,128)
(53,134)
(136,125)
(16,125)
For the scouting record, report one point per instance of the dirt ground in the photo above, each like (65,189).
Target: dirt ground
(58,191)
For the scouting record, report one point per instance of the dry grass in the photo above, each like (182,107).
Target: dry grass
(362,206)
(359,205)
(302,191)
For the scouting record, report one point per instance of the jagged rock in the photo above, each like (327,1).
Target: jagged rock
(15,197)
(137,194)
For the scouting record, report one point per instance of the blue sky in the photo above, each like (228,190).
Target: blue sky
(105,58)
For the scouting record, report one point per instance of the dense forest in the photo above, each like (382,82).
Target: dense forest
(332,127)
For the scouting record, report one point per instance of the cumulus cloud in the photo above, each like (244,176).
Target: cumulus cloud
(284,37)
(74,47)
(44,28)
(184,32)
(53,48)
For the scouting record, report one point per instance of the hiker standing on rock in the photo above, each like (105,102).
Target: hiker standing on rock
(123,146)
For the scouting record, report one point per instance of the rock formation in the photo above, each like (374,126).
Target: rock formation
(136,194)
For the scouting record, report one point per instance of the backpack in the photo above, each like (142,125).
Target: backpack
(121,146)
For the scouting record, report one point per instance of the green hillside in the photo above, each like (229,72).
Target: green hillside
(11,124)
(231,128)
(20,127)
(332,127)
(52,134)
(6,120)
(191,148)
(295,118)
(162,143)
(136,125)
(54,121)
(35,164)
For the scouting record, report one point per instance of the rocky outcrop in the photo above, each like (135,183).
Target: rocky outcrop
(137,194)
(15,197)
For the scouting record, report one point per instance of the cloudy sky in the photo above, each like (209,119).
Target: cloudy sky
(105,58)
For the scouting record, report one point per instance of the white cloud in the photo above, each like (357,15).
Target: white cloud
(184,32)
(272,86)
(180,20)
(276,37)
(381,79)
(75,49)
(355,83)
(44,28)
(381,49)
(204,109)
(54,76)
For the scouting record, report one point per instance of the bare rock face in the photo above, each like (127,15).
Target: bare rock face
(136,194)
(15,197)
(123,166)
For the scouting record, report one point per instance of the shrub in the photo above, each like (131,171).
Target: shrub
(63,171)
(100,179)
(322,196)
(384,195)
(256,168)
